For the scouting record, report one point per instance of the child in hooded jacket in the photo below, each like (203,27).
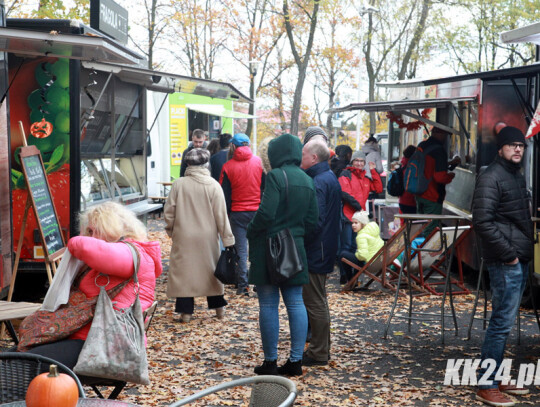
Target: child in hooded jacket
(368,242)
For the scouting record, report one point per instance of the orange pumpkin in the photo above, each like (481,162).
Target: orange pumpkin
(41,129)
(52,389)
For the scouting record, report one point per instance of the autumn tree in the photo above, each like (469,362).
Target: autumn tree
(256,31)
(73,9)
(152,25)
(474,45)
(334,61)
(393,34)
(302,15)
(198,34)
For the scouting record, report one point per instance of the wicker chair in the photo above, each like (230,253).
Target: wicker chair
(266,391)
(18,369)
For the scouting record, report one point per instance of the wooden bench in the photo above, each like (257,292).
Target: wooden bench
(15,310)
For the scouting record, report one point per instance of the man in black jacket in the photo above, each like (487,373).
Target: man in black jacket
(502,220)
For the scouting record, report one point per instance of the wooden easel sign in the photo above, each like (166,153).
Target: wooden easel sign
(40,196)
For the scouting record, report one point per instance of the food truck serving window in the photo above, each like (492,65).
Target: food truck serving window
(96,97)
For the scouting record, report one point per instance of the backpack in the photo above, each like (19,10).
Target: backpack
(395,185)
(414,177)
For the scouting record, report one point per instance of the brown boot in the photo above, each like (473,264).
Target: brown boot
(513,389)
(494,397)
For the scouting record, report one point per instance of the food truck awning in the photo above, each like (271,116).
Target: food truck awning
(73,46)
(219,110)
(403,107)
(400,105)
(167,82)
(529,33)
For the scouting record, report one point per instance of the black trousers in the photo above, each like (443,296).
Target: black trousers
(349,271)
(185,305)
(65,351)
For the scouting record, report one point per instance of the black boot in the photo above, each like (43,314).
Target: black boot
(269,367)
(291,368)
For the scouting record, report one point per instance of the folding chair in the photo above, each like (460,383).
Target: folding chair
(266,391)
(17,369)
(380,264)
(118,385)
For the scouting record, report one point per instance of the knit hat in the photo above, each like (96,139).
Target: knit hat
(197,156)
(358,155)
(240,139)
(314,131)
(509,135)
(362,217)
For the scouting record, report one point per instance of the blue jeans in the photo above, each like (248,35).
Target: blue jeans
(239,222)
(269,319)
(348,243)
(507,285)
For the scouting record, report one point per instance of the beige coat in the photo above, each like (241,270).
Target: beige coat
(196,215)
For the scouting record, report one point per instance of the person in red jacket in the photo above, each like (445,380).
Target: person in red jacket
(242,180)
(355,188)
(436,169)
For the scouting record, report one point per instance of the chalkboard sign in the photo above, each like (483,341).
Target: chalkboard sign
(39,193)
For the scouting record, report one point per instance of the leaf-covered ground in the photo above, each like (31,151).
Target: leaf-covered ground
(406,369)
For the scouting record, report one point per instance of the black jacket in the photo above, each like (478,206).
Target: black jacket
(501,214)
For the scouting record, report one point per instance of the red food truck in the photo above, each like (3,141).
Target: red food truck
(81,98)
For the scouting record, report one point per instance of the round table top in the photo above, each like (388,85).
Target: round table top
(81,403)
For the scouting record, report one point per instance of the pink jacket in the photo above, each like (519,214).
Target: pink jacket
(116,260)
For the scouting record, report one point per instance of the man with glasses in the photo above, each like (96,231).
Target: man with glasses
(502,220)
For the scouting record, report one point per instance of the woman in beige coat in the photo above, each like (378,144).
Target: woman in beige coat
(196,216)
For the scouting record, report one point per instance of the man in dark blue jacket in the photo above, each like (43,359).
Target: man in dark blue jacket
(321,249)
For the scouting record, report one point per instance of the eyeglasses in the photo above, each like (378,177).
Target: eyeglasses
(515,146)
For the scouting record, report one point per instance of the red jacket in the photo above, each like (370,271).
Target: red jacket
(242,181)
(436,168)
(355,188)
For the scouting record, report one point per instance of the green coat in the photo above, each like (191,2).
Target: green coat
(368,242)
(284,152)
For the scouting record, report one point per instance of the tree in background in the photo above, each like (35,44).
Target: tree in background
(153,24)
(198,29)
(257,31)
(472,44)
(334,61)
(302,15)
(75,9)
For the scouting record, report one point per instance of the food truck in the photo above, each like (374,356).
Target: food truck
(472,108)
(80,97)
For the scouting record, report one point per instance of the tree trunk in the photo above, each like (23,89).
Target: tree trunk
(418,33)
(301,62)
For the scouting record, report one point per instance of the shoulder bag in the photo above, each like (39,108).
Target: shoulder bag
(43,327)
(282,258)
(114,348)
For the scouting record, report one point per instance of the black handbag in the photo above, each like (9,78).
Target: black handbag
(282,258)
(226,266)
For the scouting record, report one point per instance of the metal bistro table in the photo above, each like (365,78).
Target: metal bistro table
(81,403)
(445,246)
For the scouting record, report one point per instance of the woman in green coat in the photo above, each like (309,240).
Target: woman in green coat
(299,213)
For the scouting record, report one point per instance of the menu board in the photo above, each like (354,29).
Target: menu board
(39,193)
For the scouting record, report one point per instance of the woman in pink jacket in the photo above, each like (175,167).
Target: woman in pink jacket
(111,262)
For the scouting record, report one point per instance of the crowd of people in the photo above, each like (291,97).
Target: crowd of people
(235,198)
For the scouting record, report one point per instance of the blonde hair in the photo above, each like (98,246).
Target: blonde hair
(111,221)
